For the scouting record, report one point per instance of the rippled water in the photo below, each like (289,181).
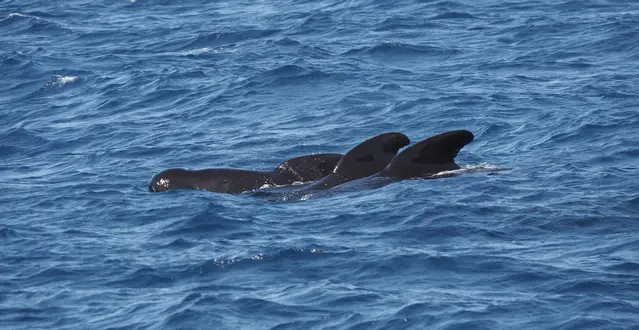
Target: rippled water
(97,96)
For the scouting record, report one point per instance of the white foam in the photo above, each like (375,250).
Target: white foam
(60,81)
(12,15)
(200,51)
(483,167)
(265,186)
(197,51)
(191,52)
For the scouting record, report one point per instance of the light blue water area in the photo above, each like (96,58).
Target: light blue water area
(98,96)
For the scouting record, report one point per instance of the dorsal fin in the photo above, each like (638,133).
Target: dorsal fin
(365,159)
(372,155)
(442,148)
(429,156)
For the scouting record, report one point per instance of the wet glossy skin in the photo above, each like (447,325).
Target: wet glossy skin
(232,181)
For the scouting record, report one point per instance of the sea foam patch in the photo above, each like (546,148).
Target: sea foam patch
(59,81)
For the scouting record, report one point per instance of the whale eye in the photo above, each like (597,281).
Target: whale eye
(367,158)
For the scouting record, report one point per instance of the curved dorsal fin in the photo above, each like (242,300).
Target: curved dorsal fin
(429,156)
(372,155)
(442,148)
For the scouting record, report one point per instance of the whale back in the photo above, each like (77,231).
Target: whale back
(365,159)
(429,156)
(306,168)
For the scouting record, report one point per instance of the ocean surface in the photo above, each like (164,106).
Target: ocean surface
(98,96)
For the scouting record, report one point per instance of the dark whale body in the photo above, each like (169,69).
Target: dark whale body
(231,181)
(420,161)
(431,156)
(376,158)
(365,159)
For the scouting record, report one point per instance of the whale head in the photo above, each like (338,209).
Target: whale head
(175,178)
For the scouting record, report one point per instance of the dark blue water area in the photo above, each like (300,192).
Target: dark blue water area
(98,96)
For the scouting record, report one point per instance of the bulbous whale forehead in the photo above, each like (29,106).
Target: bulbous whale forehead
(168,179)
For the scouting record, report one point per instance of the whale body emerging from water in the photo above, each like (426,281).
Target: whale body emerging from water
(231,181)
(365,159)
(428,157)
(423,160)
(374,158)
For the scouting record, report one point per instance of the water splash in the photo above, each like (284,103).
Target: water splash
(59,81)
(12,15)
(482,167)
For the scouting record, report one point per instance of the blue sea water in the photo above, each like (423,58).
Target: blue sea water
(97,96)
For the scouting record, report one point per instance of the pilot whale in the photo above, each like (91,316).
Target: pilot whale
(428,157)
(232,181)
(423,160)
(365,159)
